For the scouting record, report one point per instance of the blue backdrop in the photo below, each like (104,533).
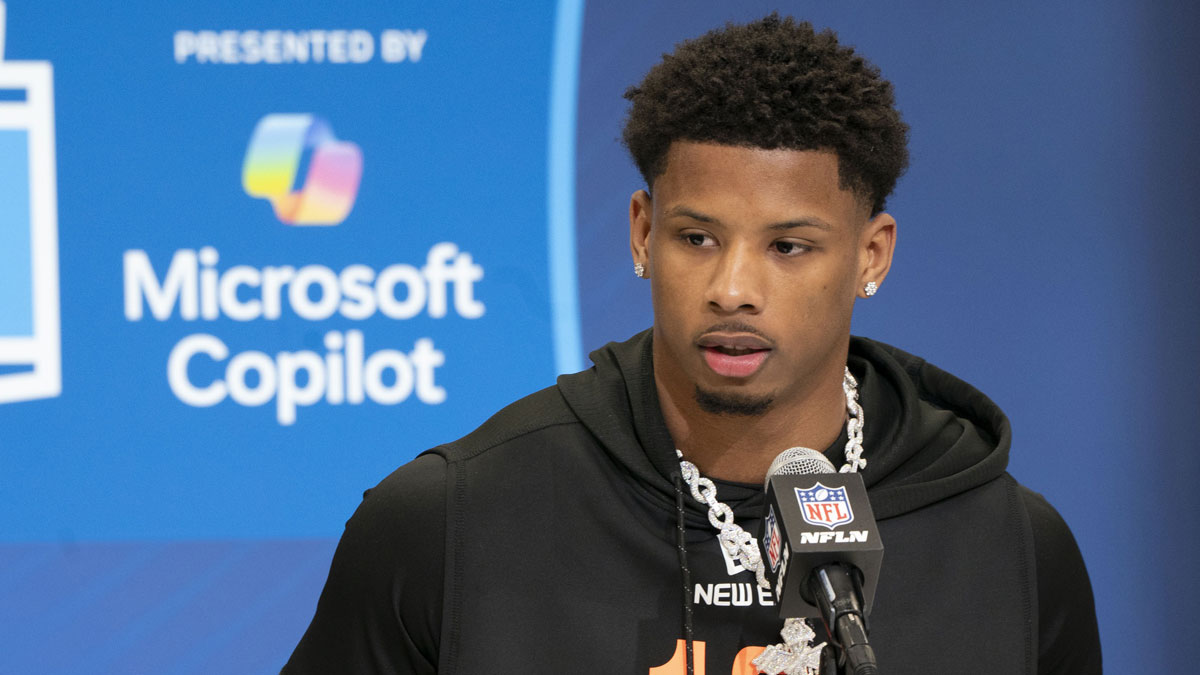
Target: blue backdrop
(232,379)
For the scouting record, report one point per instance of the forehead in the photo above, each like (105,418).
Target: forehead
(779,184)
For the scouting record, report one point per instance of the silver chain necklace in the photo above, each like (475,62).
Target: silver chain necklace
(796,655)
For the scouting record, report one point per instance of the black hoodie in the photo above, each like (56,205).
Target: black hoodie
(545,542)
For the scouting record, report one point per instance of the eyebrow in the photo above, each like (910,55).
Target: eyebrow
(694,215)
(802,222)
(785,225)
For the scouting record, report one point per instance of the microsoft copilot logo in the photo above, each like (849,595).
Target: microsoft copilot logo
(279,148)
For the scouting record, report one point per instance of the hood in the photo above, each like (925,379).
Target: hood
(927,434)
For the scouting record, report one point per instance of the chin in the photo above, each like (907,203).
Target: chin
(732,404)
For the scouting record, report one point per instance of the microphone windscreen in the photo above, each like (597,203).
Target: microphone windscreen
(799,461)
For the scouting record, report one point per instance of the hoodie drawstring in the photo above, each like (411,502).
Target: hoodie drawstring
(681,549)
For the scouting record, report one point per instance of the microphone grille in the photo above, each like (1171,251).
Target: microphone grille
(798,461)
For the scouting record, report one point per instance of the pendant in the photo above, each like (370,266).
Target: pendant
(796,656)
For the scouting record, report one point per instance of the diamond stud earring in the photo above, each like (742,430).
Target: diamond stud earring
(640,270)
(871,288)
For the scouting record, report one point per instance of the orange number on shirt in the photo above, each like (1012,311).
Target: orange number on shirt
(742,662)
(678,664)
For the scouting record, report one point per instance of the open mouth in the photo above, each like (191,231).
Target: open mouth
(735,351)
(734,355)
(735,362)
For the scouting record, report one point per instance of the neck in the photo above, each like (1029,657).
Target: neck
(740,448)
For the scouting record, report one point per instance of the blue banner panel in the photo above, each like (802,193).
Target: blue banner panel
(299,244)
(294,244)
(232,606)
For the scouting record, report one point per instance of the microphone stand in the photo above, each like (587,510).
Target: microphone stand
(837,590)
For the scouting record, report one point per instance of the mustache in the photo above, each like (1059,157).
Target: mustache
(733,327)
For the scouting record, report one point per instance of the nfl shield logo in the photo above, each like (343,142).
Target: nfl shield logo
(827,507)
(774,540)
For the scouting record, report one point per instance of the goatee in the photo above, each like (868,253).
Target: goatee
(734,405)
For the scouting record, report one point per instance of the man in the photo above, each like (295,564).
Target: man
(562,536)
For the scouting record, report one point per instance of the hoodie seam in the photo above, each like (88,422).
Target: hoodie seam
(455,452)
(452,596)
(1020,520)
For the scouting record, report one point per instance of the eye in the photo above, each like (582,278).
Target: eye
(789,247)
(697,239)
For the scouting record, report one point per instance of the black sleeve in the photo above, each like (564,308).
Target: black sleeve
(1068,637)
(381,608)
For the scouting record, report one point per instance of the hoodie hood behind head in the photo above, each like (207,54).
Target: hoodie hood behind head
(927,435)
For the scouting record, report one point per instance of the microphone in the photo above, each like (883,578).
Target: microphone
(822,549)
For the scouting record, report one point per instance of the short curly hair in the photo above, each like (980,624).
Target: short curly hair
(773,83)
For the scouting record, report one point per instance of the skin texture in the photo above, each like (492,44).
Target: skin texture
(761,248)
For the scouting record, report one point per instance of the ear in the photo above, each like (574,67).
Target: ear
(640,212)
(877,243)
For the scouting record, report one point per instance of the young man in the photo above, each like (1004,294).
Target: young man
(546,540)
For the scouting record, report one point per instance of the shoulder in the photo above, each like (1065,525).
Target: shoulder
(388,575)
(412,500)
(1058,558)
(541,411)
(385,579)
(411,504)
(1049,528)
(1068,636)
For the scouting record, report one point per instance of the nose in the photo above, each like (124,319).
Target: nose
(736,282)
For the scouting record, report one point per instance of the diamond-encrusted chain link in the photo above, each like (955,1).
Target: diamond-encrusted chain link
(796,655)
(854,426)
(738,543)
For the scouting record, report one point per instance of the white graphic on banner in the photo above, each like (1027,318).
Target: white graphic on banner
(193,289)
(203,371)
(30,338)
(252,47)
